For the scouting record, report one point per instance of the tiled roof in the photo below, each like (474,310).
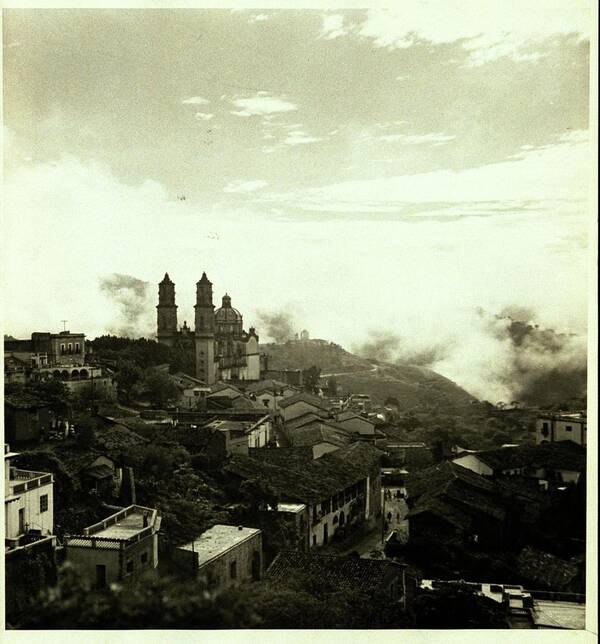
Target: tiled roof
(309,482)
(561,455)
(315,433)
(266,385)
(545,569)
(304,419)
(345,573)
(304,397)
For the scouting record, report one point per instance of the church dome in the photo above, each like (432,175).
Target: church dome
(227,314)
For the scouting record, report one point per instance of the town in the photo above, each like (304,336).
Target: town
(198,480)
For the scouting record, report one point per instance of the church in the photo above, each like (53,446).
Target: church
(218,348)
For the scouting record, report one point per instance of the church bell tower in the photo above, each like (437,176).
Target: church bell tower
(205,331)
(166,312)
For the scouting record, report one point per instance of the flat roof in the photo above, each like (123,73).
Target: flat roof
(125,526)
(218,540)
(294,508)
(556,614)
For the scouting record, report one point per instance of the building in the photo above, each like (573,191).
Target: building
(525,609)
(551,428)
(552,464)
(193,391)
(302,403)
(27,418)
(341,489)
(218,348)
(374,577)
(270,393)
(223,556)
(49,349)
(120,548)
(353,422)
(360,402)
(319,436)
(28,507)
(57,355)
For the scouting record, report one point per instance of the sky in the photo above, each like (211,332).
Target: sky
(366,171)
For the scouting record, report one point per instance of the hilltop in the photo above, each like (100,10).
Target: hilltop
(414,387)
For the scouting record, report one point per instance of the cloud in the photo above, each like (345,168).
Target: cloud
(195,100)
(262,104)
(547,179)
(434,138)
(245,186)
(204,116)
(487,29)
(332,26)
(299,137)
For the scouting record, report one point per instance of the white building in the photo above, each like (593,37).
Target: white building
(28,506)
(552,428)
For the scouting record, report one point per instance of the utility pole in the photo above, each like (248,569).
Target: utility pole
(64,324)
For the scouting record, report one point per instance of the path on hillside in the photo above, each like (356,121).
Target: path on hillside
(351,373)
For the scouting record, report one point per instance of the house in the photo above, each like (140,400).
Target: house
(27,417)
(16,368)
(29,542)
(341,489)
(550,428)
(223,389)
(304,419)
(100,476)
(28,507)
(223,556)
(449,502)
(353,422)
(374,577)
(193,391)
(319,436)
(260,432)
(234,433)
(300,404)
(121,548)
(550,463)
(361,402)
(270,392)
(545,571)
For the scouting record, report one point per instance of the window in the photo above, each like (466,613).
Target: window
(569,428)
(44,503)
(233,570)
(314,539)
(545,430)
(77,348)
(70,347)
(129,566)
(62,348)
(144,557)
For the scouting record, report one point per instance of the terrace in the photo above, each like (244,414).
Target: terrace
(120,530)
(23,480)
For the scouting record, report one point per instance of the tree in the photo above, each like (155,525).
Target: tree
(128,375)
(161,389)
(85,432)
(392,401)
(310,378)
(332,387)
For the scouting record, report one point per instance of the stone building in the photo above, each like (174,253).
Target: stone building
(122,547)
(223,556)
(218,348)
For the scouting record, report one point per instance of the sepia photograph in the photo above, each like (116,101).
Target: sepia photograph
(299,320)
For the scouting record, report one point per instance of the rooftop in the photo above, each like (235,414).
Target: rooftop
(218,540)
(351,573)
(125,524)
(305,397)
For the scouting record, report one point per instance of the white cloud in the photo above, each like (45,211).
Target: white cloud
(434,138)
(245,186)
(332,26)
(195,100)
(204,116)
(549,179)
(299,137)
(490,29)
(262,104)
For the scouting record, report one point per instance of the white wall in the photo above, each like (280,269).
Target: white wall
(30,502)
(471,462)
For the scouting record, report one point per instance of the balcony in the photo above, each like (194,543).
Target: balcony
(23,480)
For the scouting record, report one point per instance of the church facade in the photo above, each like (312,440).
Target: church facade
(217,348)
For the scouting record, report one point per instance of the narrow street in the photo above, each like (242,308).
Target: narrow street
(372,543)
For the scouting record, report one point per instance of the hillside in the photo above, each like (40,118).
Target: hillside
(414,387)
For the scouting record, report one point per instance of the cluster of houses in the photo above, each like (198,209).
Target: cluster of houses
(322,458)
